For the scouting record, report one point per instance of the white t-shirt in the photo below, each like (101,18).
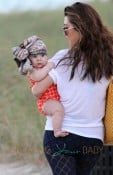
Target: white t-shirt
(83,101)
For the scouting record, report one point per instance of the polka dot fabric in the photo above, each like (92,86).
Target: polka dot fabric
(50,93)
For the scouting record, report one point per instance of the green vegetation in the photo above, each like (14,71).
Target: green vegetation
(21,126)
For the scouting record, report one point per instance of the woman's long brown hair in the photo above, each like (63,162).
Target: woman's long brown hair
(96,47)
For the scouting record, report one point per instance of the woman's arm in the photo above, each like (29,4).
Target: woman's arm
(39,88)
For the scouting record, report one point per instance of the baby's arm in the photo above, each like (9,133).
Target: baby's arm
(40,74)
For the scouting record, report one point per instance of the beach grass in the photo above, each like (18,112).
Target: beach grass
(21,125)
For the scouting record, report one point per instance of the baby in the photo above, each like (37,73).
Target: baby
(31,58)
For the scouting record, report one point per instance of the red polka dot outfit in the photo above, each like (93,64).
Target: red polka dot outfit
(50,93)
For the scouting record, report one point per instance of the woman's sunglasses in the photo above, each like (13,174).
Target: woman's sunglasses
(65,29)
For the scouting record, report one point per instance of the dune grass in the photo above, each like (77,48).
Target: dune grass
(21,126)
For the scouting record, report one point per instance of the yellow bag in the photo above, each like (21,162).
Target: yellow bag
(108,119)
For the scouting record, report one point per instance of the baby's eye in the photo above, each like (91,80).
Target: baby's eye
(42,54)
(34,56)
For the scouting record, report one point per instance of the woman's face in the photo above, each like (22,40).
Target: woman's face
(73,36)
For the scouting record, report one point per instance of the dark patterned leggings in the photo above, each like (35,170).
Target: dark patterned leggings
(71,155)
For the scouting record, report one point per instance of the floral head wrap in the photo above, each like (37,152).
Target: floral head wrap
(30,46)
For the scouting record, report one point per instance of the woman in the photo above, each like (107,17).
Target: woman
(82,75)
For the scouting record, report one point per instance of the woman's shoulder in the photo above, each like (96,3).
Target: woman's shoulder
(59,55)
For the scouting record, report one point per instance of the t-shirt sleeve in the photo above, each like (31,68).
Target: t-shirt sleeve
(53,75)
(58,56)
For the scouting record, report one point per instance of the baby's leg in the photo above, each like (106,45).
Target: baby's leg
(55,109)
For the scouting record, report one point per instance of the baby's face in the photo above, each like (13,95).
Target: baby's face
(38,61)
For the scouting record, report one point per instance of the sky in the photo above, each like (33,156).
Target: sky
(7,6)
